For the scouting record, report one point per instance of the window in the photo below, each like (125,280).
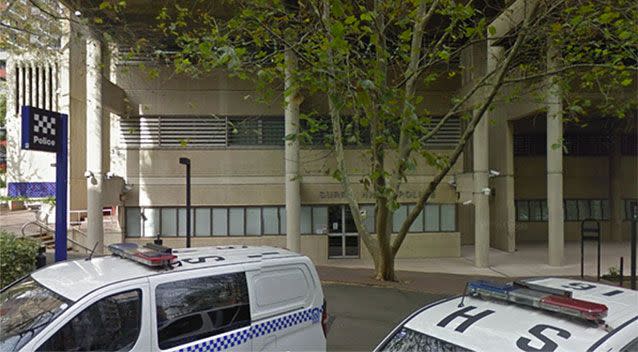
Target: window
(133,219)
(27,307)
(306,220)
(111,324)
(581,209)
(236,220)
(253,221)
(319,220)
(181,223)
(433,218)
(368,222)
(282,219)
(399,217)
(193,309)
(575,210)
(406,340)
(220,222)
(448,217)
(169,222)
(271,220)
(631,208)
(202,221)
(254,130)
(151,221)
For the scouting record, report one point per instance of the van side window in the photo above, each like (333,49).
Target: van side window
(110,324)
(193,309)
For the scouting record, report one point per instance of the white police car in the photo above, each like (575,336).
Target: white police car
(198,299)
(548,314)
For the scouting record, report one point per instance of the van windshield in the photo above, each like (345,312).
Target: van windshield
(25,309)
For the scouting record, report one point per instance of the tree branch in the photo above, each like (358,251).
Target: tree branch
(423,198)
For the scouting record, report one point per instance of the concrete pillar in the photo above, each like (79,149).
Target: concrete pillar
(291,153)
(41,85)
(20,96)
(481,200)
(95,231)
(554,102)
(503,212)
(47,90)
(616,203)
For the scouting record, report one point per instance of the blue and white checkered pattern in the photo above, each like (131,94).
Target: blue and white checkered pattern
(237,338)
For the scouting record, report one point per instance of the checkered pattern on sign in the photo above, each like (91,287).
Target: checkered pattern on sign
(237,338)
(44,124)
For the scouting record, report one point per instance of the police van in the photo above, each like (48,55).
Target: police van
(152,298)
(549,314)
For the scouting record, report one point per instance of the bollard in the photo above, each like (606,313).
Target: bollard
(40,258)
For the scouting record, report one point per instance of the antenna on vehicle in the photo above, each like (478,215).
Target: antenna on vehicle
(92,251)
(463,297)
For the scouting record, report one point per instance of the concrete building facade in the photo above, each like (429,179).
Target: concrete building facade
(128,130)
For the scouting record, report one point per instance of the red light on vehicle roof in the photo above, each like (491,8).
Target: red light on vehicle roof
(588,310)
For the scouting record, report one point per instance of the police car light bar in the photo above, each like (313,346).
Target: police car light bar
(539,297)
(143,255)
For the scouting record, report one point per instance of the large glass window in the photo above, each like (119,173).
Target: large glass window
(151,221)
(26,308)
(271,220)
(169,221)
(399,217)
(575,209)
(181,224)
(220,222)
(133,220)
(432,222)
(571,210)
(193,309)
(253,221)
(282,219)
(306,220)
(202,221)
(522,210)
(111,324)
(368,222)
(320,220)
(417,225)
(631,208)
(448,217)
(236,220)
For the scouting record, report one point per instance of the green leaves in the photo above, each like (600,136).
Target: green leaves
(18,257)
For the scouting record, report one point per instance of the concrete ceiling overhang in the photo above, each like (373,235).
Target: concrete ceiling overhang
(137,20)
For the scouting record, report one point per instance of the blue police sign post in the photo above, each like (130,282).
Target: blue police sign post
(47,131)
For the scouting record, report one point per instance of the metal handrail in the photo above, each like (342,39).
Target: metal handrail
(46,228)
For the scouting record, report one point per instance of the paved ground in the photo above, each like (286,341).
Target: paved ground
(361,316)
(530,259)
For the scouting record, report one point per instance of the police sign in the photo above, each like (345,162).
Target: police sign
(40,129)
(47,131)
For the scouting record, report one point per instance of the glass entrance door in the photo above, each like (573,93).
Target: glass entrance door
(343,238)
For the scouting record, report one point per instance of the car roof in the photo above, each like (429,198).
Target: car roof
(76,278)
(502,329)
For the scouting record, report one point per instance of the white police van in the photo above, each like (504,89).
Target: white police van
(549,314)
(198,299)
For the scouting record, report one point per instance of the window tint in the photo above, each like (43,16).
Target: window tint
(110,324)
(193,309)
(406,340)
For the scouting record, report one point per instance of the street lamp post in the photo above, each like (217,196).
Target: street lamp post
(187,162)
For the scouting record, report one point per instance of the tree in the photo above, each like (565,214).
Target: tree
(368,58)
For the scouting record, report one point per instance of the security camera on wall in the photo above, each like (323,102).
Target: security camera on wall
(494,173)
(88,174)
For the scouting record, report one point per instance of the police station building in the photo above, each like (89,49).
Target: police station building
(128,131)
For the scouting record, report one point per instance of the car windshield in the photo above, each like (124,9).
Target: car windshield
(407,340)
(25,309)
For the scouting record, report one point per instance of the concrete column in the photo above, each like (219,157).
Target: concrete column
(20,96)
(616,203)
(28,81)
(41,85)
(291,152)
(481,200)
(47,90)
(554,102)
(503,214)
(95,233)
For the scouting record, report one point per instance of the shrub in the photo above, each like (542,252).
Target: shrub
(17,257)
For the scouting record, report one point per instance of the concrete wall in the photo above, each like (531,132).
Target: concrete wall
(584,178)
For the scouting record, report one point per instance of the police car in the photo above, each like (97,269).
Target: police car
(549,314)
(153,298)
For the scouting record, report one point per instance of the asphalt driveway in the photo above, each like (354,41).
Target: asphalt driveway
(361,316)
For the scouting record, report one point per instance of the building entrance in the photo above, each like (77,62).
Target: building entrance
(343,238)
